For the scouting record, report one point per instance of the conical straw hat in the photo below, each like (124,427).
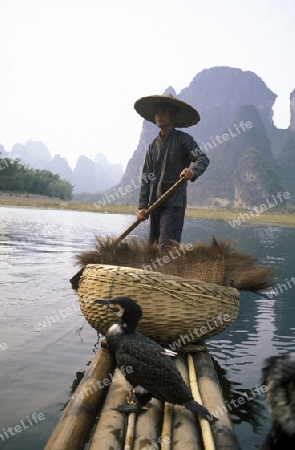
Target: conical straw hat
(186,115)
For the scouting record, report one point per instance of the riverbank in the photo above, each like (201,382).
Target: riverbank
(234,217)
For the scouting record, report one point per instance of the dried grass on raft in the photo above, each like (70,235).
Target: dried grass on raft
(217,262)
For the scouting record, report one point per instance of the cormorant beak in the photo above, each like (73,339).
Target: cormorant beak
(109,304)
(103,302)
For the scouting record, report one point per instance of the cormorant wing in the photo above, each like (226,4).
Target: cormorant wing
(151,369)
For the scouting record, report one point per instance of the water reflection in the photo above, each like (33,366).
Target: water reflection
(80,374)
(244,405)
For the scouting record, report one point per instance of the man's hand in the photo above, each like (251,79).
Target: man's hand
(188,174)
(141,214)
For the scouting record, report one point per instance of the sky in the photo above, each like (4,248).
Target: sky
(71,70)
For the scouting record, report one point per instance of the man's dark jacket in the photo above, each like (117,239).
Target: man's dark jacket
(165,159)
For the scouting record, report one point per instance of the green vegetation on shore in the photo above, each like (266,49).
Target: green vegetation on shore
(16,177)
(285,217)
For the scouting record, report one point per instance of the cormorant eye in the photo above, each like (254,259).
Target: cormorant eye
(115,309)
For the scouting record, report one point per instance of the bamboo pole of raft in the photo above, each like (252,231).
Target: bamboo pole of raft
(110,429)
(222,429)
(74,427)
(166,436)
(205,427)
(152,208)
(129,438)
(148,426)
(186,432)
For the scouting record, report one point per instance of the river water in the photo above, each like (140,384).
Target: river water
(46,345)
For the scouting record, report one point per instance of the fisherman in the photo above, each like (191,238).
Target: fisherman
(168,157)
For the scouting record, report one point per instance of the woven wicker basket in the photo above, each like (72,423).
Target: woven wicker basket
(175,309)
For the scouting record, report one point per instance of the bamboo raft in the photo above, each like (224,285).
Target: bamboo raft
(89,419)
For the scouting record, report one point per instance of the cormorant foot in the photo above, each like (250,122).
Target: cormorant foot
(131,408)
(132,398)
(104,343)
(136,397)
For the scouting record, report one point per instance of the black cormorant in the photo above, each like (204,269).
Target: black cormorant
(278,375)
(152,372)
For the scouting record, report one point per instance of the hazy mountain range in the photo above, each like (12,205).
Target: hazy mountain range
(88,175)
(251,160)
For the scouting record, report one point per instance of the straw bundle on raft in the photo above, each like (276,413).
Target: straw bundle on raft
(217,262)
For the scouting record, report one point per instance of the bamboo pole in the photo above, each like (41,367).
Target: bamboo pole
(152,208)
(110,430)
(205,427)
(148,424)
(166,436)
(129,438)
(74,427)
(186,430)
(222,429)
